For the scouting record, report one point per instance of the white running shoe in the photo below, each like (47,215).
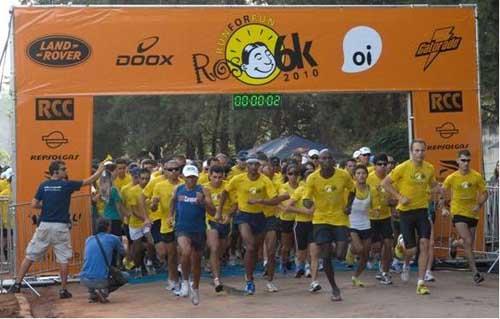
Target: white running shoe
(314,286)
(271,287)
(184,289)
(195,296)
(429,277)
(405,273)
(171,285)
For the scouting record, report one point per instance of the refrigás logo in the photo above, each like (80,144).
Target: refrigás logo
(362,48)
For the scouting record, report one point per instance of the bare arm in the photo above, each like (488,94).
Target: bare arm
(36,204)
(209,205)
(95,176)
(389,187)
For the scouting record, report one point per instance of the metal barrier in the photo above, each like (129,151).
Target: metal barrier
(486,241)
(26,222)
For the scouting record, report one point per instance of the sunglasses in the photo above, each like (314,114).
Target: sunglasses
(465,160)
(173,169)
(381,164)
(314,157)
(292,174)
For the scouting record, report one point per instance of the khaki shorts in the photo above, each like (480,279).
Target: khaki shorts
(56,235)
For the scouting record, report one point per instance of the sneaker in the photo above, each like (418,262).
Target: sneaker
(320,265)
(429,277)
(271,287)
(184,292)
(357,283)
(14,289)
(250,288)
(478,278)
(378,275)
(218,286)
(64,294)
(395,267)
(171,285)
(195,296)
(405,273)
(385,279)
(308,273)
(314,286)
(422,290)
(453,250)
(300,273)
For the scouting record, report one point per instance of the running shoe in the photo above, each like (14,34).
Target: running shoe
(308,273)
(385,279)
(300,273)
(405,273)
(250,288)
(195,296)
(395,267)
(64,294)
(314,286)
(378,275)
(171,285)
(320,265)
(422,290)
(271,287)
(429,277)
(478,278)
(453,250)
(184,292)
(218,286)
(357,283)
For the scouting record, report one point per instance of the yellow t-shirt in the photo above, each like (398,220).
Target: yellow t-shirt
(328,197)
(464,192)
(132,200)
(287,189)
(164,191)
(413,182)
(242,189)
(203,178)
(215,194)
(120,182)
(156,174)
(148,193)
(235,170)
(4,184)
(124,194)
(379,197)
(298,196)
(4,207)
(278,178)
(270,211)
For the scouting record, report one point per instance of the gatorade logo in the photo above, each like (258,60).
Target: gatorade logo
(362,48)
(58,51)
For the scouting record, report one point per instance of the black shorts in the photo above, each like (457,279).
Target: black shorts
(326,233)
(415,220)
(286,226)
(381,229)
(303,232)
(256,221)
(363,234)
(167,238)
(222,229)
(126,232)
(471,222)
(272,224)
(198,240)
(395,223)
(155,231)
(116,227)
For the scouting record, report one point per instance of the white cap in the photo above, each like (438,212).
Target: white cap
(313,152)
(304,160)
(324,150)
(190,170)
(356,154)
(7,173)
(365,150)
(205,164)
(108,163)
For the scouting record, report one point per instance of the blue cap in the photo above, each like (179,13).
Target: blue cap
(135,171)
(242,155)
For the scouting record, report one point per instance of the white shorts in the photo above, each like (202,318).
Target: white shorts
(138,233)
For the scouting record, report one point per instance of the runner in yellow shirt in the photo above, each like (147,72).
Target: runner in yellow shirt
(252,191)
(218,226)
(241,165)
(160,205)
(122,177)
(467,190)
(380,216)
(287,217)
(325,189)
(413,178)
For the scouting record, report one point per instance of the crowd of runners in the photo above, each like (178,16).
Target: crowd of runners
(295,215)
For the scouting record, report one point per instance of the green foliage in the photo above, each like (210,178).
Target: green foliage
(393,140)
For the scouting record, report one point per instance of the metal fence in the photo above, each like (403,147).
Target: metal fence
(7,242)
(25,220)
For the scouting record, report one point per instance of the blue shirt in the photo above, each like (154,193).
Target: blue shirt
(111,209)
(55,196)
(190,216)
(94,265)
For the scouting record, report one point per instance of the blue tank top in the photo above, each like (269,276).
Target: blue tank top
(189,216)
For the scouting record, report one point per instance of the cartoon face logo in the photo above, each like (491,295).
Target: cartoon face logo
(329,188)
(362,48)
(215,197)
(252,190)
(419,176)
(466,185)
(249,52)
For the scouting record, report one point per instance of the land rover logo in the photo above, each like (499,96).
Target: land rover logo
(58,51)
